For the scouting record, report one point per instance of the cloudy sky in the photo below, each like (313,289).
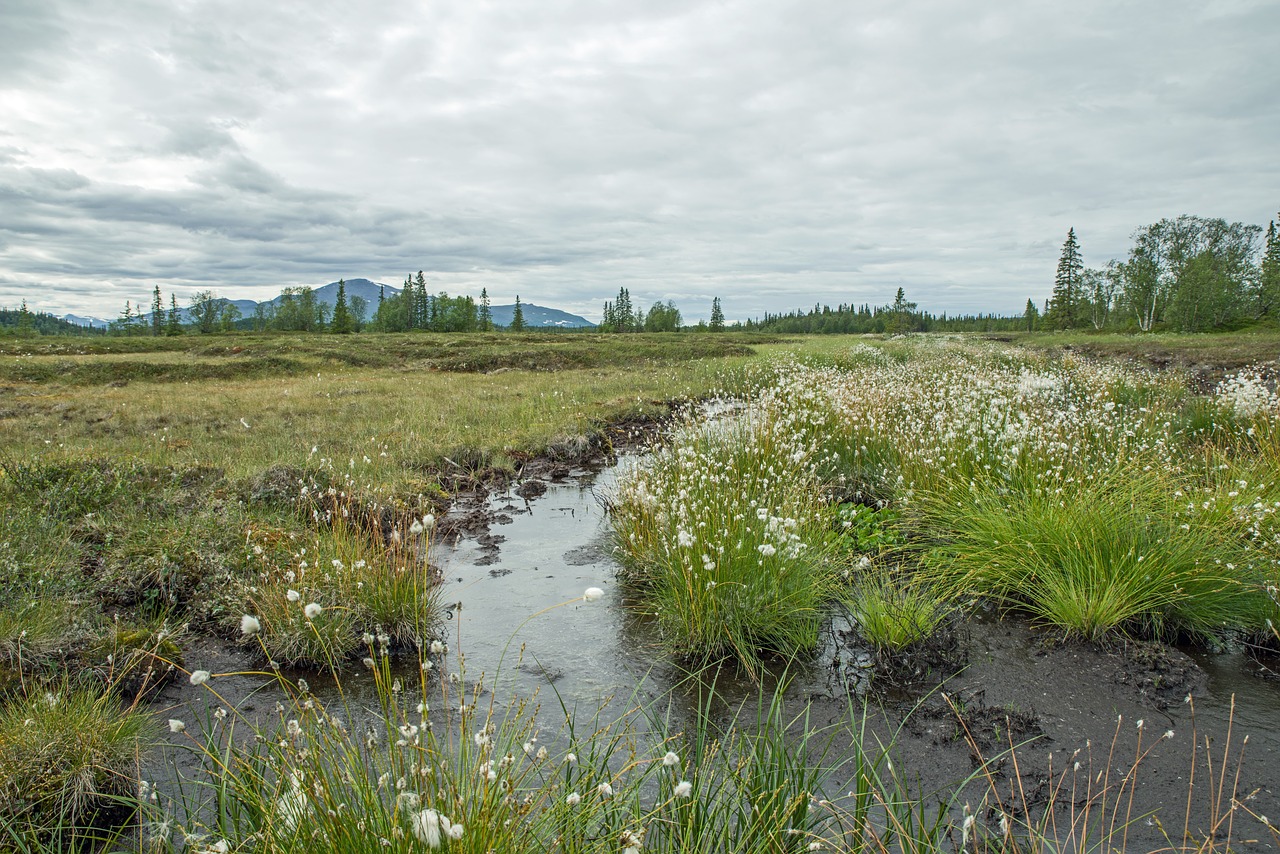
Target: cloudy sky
(774,153)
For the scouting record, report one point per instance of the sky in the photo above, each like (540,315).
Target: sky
(772,153)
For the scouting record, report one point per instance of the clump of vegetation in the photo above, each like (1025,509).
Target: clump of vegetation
(315,603)
(66,754)
(895,611)
(1121,553)
(727,576)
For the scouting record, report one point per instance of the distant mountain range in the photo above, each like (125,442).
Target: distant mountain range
(535,316)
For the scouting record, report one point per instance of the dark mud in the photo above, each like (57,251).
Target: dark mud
(514,568)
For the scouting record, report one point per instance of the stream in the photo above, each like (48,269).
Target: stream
(538,555)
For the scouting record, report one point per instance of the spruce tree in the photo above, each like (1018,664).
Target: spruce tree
(1269,280)
(716,323)
(421,305)
(341,324)
(1031,315)
(173,324)
(485,320)
(157,312)
(26,320)
(517,317)
(1064,311)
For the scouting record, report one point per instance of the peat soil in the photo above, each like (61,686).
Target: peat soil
(515,562)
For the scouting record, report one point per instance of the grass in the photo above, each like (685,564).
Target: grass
(1115,555)
(444,766)
(65,754)
(162,481)
(737,577)
(101,361)
(894,611)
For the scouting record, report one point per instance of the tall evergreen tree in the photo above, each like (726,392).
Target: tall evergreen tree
(716,324)
(173,323)
(342,322)
(157,312)
(1269,275)
(421,304)
(26,320)
(1064,310)
(901,314)
(1030,315)
(517,317)
(485,319)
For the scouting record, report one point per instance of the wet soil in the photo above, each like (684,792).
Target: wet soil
(515,561)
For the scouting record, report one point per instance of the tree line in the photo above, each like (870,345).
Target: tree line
(1189,274)
(298,309)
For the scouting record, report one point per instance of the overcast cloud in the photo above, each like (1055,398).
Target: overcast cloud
(773,153)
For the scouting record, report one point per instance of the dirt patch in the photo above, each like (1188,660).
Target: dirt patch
(1159,675)
(966,718)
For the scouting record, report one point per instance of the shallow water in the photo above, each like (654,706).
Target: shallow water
(555,546)
(516,611)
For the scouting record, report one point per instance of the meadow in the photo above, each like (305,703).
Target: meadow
(283,497)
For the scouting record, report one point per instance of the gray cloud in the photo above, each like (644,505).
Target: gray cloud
(772,153)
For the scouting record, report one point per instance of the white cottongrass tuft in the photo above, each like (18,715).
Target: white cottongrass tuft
(684,789)
(176,725)
(199,677)
(313,610)
(573,799)
(293,595)
(426,826)
(249,625)
(591,594)
(671,759)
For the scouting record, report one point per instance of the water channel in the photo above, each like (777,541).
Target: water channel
(539,555)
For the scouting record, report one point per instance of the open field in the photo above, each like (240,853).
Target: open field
(282,497)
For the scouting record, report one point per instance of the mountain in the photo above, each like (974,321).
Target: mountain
(328,294)
(537,317)
(92,322)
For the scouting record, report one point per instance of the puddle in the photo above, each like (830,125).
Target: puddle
(507,586)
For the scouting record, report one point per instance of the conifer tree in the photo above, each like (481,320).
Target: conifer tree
(716,324)
(1031,315)
(1064,310)
(421,304)
(485,320)
(1269,278)
(342,323)
(157,312)
(173,325)
(517,317)
(26,320)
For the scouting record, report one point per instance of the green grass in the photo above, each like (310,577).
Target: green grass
(894,611)
(160,480)
(101,361)
(721,533)
(65,754)
(1120,553)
